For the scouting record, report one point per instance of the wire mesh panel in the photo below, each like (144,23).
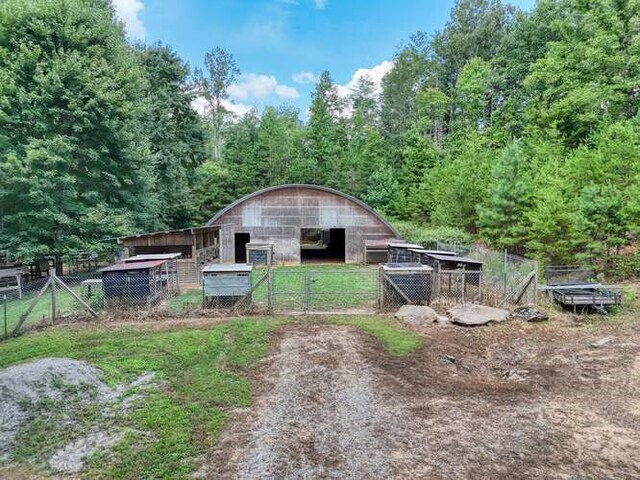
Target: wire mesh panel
(568,274)
(457,286)
(289,290)
(506,280)
(342,289)
(324,289)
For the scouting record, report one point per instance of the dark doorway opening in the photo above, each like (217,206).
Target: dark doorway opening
(240,241)
(322,245)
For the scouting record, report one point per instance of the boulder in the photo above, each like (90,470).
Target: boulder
(529,314)
(419,315)
(471,315)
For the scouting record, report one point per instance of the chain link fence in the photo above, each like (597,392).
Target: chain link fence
(506,280)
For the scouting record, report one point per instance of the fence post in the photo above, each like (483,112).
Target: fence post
(6,334)
(52,274)
(269,286)
(504,267)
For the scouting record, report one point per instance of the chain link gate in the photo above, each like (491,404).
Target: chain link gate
(324,290)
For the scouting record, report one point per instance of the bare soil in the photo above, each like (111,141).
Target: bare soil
(508,401)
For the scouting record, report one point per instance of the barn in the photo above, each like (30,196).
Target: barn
(305,223)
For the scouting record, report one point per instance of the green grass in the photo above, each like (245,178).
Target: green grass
(202,376)
(396,340)
(65,304)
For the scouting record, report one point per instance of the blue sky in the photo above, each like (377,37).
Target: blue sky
(282,45)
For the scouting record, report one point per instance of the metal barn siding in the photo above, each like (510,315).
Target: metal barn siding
(277,215)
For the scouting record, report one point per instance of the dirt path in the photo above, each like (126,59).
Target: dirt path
(324,415)
(331,404)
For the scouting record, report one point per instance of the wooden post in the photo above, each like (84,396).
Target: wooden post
(52,274)
(505,271)
(464,284)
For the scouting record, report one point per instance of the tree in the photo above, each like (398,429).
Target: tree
(501,217)
(278,142)
(384,190)
(590,75)
(213,88)
(326,133)
(178,139)
(75,157)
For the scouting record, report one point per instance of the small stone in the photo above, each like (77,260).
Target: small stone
(529,314)
(601,343)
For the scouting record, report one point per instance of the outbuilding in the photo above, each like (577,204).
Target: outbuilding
(305,223)
(140,284)
(196,246)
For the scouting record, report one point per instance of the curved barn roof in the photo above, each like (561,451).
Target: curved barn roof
(221,213)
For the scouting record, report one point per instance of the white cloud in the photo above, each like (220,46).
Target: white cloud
(375,73)
(304,78)
(201,106)
(251,85)
(128,12)
(320,4)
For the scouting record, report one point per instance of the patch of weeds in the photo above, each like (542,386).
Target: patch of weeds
(396,340)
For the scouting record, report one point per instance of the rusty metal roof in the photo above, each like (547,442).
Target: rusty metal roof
(191,230)
(123,267)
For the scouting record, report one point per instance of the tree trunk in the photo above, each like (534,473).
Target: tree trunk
(58,264)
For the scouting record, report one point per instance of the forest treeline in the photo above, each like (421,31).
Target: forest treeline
(520,129)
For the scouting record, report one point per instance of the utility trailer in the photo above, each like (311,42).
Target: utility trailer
(585,296)
(576,287)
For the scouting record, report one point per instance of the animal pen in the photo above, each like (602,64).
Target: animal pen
(140,284)
(506,281)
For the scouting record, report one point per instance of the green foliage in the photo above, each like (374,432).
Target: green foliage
(71,141)
(430,236)
(521,127)
(501,218)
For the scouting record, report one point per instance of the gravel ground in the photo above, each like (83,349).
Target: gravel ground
(505,401)
(324,415)
(52,389)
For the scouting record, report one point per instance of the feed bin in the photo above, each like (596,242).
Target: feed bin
(224,285)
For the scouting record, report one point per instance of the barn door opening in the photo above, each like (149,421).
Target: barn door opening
(240,241)
(319,245)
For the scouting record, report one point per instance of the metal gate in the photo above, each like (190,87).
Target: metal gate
(323,290)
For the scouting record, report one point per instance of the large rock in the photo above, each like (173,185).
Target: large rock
(472,315)
(419,315)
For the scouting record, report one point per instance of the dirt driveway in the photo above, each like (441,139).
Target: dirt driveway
(501,402)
